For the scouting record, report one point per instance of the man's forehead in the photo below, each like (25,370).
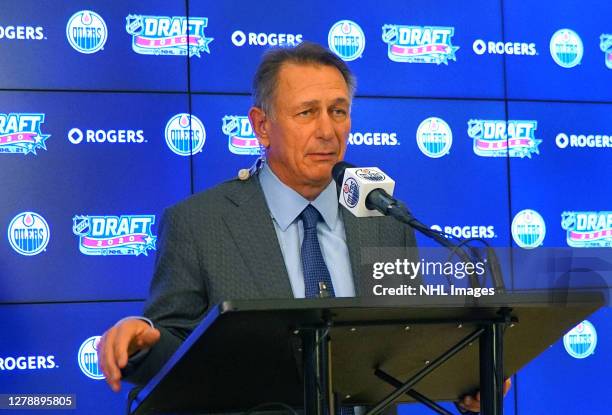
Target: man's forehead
(294,78)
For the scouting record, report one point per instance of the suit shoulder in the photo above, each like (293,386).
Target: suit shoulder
(215,198)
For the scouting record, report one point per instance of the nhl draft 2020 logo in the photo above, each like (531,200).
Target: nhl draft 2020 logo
(588,229)
(20,133)
(241,137)
(168,35)
(419,44)
(114,235)
(498,138)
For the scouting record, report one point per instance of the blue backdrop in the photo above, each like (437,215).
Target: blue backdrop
(494,118)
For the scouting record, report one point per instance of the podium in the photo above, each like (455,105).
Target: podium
(317,354)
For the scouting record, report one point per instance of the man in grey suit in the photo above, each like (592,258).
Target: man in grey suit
(247,237)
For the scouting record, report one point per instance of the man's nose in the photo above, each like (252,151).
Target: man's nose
(325,126)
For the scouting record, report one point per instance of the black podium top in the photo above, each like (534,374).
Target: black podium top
(245,353)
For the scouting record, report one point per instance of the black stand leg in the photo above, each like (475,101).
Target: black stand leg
(412,393)
(492,370)
(406,386)
(317,383)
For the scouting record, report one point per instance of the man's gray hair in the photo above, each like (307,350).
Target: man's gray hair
(306,53)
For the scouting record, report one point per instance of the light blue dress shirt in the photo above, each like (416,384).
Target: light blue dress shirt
(285,206)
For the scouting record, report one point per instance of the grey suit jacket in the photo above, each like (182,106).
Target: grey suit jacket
(221,245)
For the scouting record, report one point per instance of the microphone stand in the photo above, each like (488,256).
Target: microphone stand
(382,202)
(400,212)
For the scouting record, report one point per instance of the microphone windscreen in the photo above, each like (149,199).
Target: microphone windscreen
(338,171)
(357,185)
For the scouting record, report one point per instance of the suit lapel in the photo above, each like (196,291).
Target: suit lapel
(253,232)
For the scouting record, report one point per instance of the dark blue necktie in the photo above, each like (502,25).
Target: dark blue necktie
(313,264)
(315,270)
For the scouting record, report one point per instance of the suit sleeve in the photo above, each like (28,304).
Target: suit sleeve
(177,298)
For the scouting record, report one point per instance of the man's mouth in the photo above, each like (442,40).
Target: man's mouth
(323,155)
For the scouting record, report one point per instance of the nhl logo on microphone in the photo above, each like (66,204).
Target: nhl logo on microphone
(369,174)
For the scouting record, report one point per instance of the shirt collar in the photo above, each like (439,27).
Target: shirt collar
(286,204)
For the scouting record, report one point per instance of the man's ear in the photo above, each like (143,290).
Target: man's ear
(258,120)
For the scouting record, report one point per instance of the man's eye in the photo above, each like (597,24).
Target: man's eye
(306,113)
(339,112)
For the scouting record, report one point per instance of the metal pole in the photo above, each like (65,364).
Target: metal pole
(492,370)
(412,393)
(317,384)
(406,386)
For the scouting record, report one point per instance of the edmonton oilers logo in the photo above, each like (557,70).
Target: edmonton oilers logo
(528,229)
(371,175)
(434,137)
(566,48)
(86,31)
(88,358)
(346,39)
(185,134)
(350,192)
(28,233)
(580,342)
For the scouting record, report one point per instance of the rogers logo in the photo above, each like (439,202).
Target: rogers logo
(28,362)
(481,47)
(373,139)
(22,33)
(469,231)
(240,38)
(76,136)
(583,140)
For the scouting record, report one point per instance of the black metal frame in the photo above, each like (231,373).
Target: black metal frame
(318,395)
